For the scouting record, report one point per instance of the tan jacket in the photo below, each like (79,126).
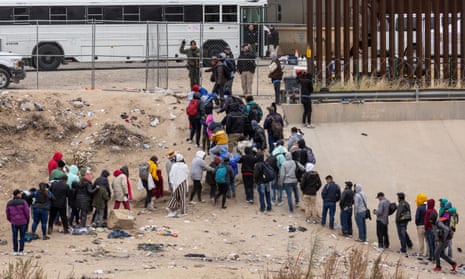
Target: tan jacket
(120,187)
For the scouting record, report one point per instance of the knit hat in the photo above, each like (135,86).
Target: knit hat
(196,88)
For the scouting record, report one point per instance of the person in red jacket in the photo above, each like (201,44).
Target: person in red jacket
(18,213)
(430,217)
(53,163)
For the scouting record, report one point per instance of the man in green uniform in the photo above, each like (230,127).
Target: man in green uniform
(193,63)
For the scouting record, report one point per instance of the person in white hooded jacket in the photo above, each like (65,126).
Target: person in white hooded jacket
(288,180)
(178,177)
(197,167)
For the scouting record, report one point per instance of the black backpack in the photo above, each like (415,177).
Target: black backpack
(268,173)
(255,113)
(298,172)
(392,208)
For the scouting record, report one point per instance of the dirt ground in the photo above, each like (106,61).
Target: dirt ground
(239,242)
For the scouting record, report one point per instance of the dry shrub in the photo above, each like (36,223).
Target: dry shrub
(23,269)
(376,269)
(119,135)
(330,267)
(357,263)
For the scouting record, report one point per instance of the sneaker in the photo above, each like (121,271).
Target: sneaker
(46,237)
(192,202)
(202,201)
(280,203)
(297,204)
(454,267)
(15,253)
(22,254)
(437,269)
(310,126)
(224,207)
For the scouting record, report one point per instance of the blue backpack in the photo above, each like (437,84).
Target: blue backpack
(221,174)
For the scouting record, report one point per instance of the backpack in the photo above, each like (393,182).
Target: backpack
(276,128)
(272,162)
(221,173)
(310,155)
(268,173)
(236,105)
(193,107)
(255,113)
(144,171)
(392,208)
(228,69)
(298,172)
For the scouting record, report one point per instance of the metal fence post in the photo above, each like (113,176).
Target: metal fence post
(93,55)
(37,54)
(147,41)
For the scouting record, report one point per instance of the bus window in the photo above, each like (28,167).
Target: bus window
(20,14)
(229,13)
(39,13)
(212,13)
(174,13)
(5,13)
(151,13)
(193,13)
(76,13)
(94,13)
(113,13)
(131,13)
(58,15)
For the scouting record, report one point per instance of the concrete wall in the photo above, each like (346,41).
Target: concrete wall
(378,111)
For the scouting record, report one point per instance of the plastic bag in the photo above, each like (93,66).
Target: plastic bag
(140,186)
(151,183)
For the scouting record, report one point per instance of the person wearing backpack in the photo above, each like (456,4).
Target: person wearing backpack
(288,180)
(444,235)
(430,218)
(234,121)
(330,194)
(197,167)
(210,177)
(195,111)
(360,212)
(403,217)
(302,153)
(310,185)
(259,138)
(276,75)
(296,135)
(219,142)
(345,205)
(252,111)
(278,158)
(230,64)
(248,161)
(274,125)
(223,176)
(153,171)
(382,221)
(263,182)
(246,67)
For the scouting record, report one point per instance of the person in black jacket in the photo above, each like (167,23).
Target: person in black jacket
(60,191)
(263,189)
(347,200)
(259,138)
(103,182)
(331,194)
(403,216)
(306,89)
(246,67)
(84,194)
(234,122)
(41,208)
(196,121)
(248,161)
(310,184)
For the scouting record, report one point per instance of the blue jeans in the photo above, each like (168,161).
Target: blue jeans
(431,244)
(289,188)
(331,206)
(361,225)
(271,141)
(277,191)
(403,237)
(40,215)
(264,195)
(346,220)
(21,229)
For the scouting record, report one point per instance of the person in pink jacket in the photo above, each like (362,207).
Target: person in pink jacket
(18,213)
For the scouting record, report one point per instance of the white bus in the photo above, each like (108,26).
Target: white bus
(50,32)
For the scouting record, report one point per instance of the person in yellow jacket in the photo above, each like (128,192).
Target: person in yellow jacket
(153,166)
(219,141)
(420,222)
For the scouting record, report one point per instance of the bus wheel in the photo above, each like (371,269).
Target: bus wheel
(50,57)
(4,78)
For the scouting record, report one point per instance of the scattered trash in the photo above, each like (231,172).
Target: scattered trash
(124,115)
(193,255)
(155,122)
(364,134)
(79,231)
(146,146)
(459,249)
(153,247)
(98,271)
(291,228)
(116,233)
(38,107)
(167,231)
(301,229)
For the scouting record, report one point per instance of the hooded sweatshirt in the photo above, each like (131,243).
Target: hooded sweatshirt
(120,185)
(248,161)
(442,205)
(421,209)
(53,163)
(279,152)
(102,181)
(430,215)
(293,139)
(311,181)
(360,200)
(72,175)
(178,174)
(199,165)
(287,170)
